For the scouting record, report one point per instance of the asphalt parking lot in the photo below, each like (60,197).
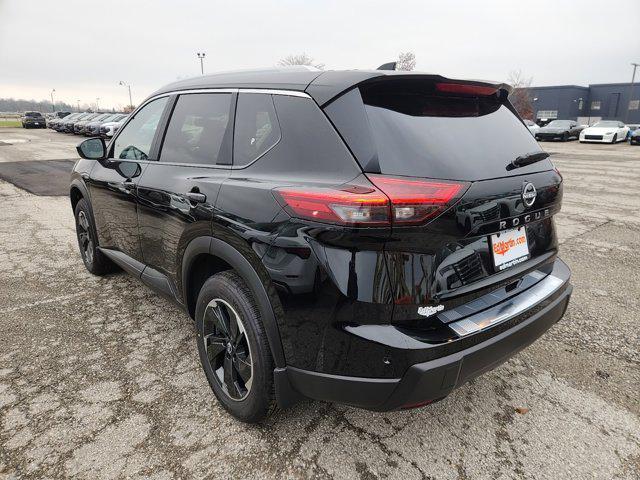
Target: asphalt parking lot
(100,378)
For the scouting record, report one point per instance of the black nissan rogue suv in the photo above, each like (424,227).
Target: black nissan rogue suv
(372,238)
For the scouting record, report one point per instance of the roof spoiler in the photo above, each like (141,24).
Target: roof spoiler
(387,66)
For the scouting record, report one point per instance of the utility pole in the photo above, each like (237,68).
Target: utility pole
(633,78)
(53,104)
(124,84)
(201,57)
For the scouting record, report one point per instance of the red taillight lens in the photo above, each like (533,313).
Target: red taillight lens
(416,201)
(348,205)
(465,89)
(392,200)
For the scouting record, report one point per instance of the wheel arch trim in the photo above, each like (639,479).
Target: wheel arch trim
(223,250)
(82,188)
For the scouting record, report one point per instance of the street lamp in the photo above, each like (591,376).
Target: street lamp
(129,87)
(78,105)
(633,78)
(53,104)
(97,101)
(201,57)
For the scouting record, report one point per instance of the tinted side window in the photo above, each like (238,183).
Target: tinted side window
(197,129)
(134,142)
(256,129)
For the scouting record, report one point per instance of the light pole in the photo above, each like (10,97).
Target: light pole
(129,87)
(53,104)
(78,105)
(201,57)
(97,101)
(633,78)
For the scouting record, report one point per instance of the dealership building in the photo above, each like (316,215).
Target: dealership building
(608,101)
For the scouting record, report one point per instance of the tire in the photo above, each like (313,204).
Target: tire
(614,139)
(241,375)
(93,259)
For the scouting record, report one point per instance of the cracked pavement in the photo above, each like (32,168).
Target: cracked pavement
(100,377)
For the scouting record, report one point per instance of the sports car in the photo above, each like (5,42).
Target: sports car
(605,131)
(559,130)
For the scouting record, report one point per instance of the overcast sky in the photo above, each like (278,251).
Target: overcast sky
(83,48)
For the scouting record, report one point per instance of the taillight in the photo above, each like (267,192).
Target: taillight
(415,201)
(391,200)
(346,205)
(465,89)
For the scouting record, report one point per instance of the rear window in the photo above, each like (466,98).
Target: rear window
(408,128)
(33,114)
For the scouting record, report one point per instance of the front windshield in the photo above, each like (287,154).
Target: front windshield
(606,125)
(559,124)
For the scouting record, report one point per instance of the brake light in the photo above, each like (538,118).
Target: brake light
(390,200)
(416,201)
(465,89)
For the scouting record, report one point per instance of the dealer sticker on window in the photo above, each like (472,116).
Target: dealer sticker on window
(509,248)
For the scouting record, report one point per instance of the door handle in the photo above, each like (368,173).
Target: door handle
(196,197)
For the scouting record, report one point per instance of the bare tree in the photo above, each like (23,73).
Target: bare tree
(521,95)
(300,59)
(406,61)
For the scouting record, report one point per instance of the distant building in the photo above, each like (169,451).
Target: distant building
(608,101)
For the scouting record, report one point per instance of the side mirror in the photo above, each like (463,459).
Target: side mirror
(92,149)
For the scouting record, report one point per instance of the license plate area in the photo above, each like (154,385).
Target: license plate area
(509,248)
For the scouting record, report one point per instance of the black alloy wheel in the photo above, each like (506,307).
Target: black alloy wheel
(94,260)
(228,349)
(85,239)
(233,347)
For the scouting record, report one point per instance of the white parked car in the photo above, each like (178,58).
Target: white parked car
(605,131)
(108,129)
(532,126)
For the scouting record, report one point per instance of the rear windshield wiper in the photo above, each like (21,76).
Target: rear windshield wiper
(527,159)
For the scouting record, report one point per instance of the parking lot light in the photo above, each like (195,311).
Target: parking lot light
(53,104)
(633,79)
(124,84)
(201,57)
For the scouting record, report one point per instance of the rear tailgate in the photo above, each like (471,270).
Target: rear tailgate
(455,131)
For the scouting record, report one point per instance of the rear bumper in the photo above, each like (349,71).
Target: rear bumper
(429,381)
